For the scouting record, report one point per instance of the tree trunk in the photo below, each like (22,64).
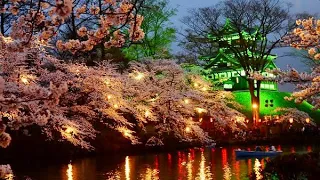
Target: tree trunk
(2,24)
(2,18)
(255,101)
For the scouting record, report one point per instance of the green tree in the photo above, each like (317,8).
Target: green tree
(159,33)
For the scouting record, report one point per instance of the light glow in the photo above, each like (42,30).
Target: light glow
(291,120)
(257,169)
(127,168)
(308,120)
(24,80)
(69,172)
(147,113)
(188,129)
(254,106)
(201,110)
(137,75)
(107,82)
(109,96)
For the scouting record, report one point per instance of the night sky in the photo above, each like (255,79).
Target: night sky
(310,6)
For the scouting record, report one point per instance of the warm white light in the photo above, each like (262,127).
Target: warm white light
(200,119)
(257,169)
(204,89)
(138,76)
(186,101)
(254,106)
(69,172)
(211,119)
(147,113)
(24,80)
(308,120)
(68,133)
(196,85)
(116,106)
(291,120)
(188,129)
(109,97)
(127,168)
(69,130)
(107,82)
(200,110)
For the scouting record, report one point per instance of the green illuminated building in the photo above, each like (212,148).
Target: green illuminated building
(224,68)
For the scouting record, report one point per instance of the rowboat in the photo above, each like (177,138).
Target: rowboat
(241,153)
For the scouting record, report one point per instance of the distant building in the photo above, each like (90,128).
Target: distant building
(224,68)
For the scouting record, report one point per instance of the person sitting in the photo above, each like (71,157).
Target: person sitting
(272,148)
(258,148)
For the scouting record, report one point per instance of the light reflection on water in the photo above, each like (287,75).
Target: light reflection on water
(199,164)
(69,172)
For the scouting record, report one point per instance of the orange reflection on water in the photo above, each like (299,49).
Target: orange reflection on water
(189,167)
(127,168)
(204,172)
(69,172)
(227,172)
(257,169)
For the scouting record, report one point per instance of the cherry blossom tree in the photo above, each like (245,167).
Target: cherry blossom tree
(6,172)
(101,24)
(30,94)
(307,37)
(295,116)
(42,19)
(170,99)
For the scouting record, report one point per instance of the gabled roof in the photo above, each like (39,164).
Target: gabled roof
(231,33)
(229,58)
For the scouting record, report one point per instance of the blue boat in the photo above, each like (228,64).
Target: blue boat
(241,153)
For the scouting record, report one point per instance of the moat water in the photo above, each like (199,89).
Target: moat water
(200,163)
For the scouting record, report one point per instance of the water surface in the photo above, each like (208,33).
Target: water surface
(203,163)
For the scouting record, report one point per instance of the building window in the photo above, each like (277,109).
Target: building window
(227,86)
(229,74)
(269,103)
(272,86)
(234,74)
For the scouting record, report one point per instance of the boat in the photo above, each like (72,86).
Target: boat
(242,153)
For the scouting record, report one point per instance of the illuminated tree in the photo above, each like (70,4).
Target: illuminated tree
(170,99)
(30,94)
(307,37)
(42,19)
(293,115)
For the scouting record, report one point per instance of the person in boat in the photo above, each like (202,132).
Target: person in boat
(258,148)
(272,148)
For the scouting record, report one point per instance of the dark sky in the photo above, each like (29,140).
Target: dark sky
(310,6)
